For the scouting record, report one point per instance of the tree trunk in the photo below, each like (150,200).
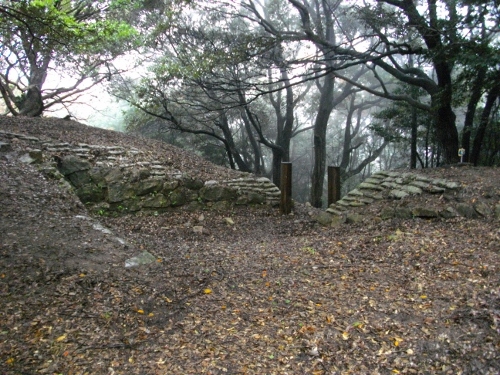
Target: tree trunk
(446,129)
(284,127)
(31,104)
(481,130)
(231,148)
(471,111)
(257,155)
(320,125)
(413,145)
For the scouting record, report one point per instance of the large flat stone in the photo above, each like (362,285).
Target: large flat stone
(483,209)
(424,212)
(411,189)
(466,211)
(420,184)
(389,185)
(398,194)
(368,186)
(356,193)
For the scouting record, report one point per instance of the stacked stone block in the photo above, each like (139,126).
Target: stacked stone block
(120,179)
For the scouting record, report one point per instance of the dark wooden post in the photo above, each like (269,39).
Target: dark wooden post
(286,188)
(333,184)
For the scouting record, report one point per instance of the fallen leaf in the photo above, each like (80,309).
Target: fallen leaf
(207,291)
(140,311)
(61,338)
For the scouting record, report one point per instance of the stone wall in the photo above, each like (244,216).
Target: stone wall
(120,179)
(407,195)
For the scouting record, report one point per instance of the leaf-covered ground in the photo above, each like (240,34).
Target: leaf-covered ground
(258,294)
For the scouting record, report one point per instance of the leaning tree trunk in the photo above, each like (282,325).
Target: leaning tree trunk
(32,102)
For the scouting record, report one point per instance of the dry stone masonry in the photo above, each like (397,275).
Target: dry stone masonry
(119,179)
(397,186)
(114,179)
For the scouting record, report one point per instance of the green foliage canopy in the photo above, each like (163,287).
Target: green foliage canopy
(77,38)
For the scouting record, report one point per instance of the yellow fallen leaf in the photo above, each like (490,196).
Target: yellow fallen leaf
(168,300)
(423,296)
(60,338)
(140,311)
(345,335)
(82,275)
(397,341)
(207,291)
(10,361)
(151,314)
(131,359)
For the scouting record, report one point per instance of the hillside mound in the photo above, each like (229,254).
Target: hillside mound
(112,176)
(76,133)
(240,291)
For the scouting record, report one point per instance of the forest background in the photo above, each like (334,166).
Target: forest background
(249,84)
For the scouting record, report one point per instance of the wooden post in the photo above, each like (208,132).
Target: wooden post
(333,184)
(286,188)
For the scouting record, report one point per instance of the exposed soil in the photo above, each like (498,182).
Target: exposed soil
(269,294)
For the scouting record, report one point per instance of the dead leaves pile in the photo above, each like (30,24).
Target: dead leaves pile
(265,297)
